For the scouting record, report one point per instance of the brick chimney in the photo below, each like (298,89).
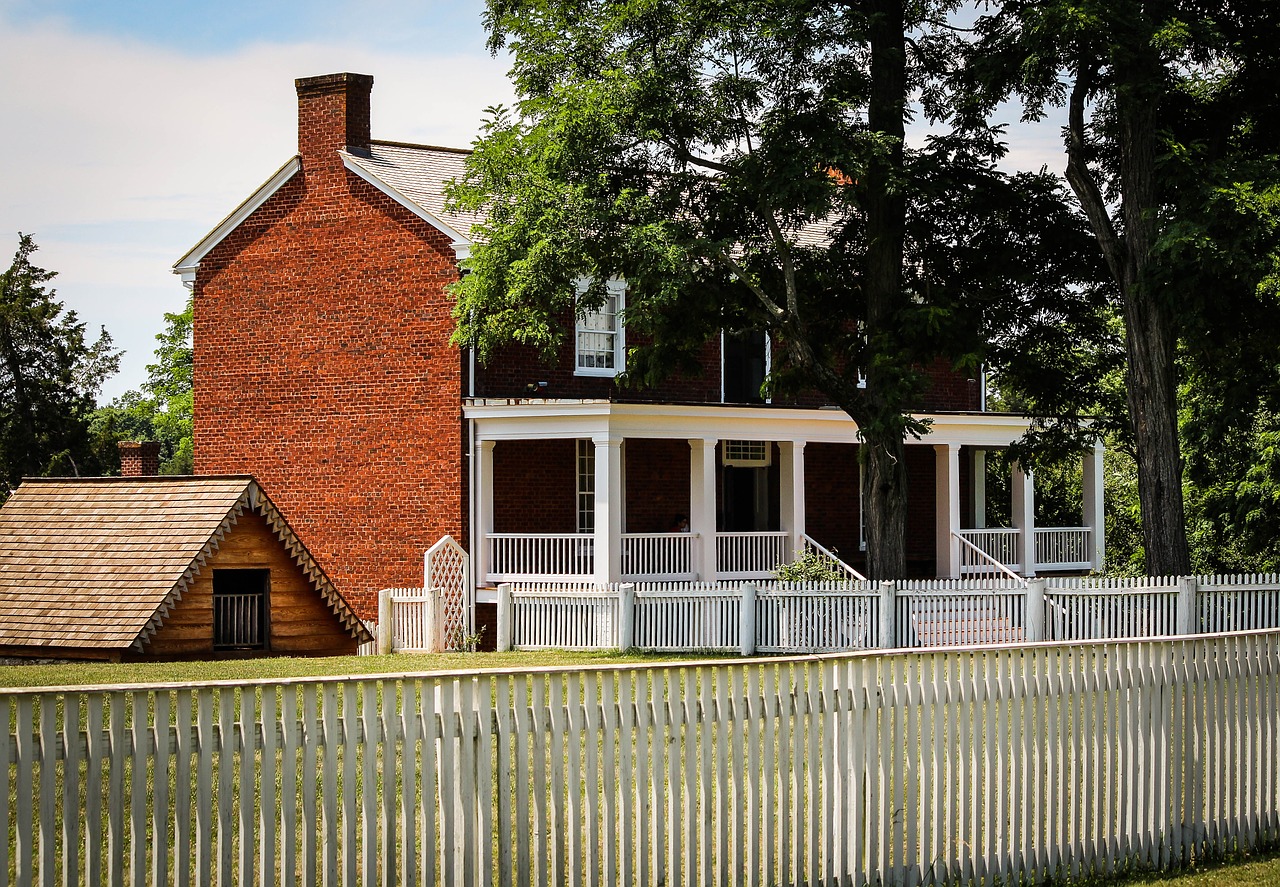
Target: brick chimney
(333,113)
(139,458)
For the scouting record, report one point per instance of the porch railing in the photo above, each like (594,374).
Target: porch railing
(750,555)
(977,564)
(1063,548)
(539,556)
(654,556)
(828,557)
(998,544)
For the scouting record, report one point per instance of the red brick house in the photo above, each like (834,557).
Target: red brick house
(323,368)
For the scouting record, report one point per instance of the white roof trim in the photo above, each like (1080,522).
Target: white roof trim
(187,265)
(461,245)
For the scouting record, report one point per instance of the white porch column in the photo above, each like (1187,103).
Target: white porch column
(1024,517)
(480,545)
(791,492)
(607,541)
(947,508)
(702,506)
(1094,515)
(979,489)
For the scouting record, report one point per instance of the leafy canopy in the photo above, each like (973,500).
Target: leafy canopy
(50,374)
(715,156)
(161,410)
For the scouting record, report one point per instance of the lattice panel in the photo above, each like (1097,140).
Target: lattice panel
(448,574)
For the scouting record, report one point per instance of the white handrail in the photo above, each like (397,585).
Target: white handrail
(823,551)
(983,556)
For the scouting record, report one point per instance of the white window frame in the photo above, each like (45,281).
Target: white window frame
(591,324)
(585,463)
(746,453)
(862,506)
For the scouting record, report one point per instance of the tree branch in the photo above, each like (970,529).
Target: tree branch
(788,260)
(1082,181)
(723,257)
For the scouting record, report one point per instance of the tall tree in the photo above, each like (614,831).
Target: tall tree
(1133,76)
(161,409)
(743,165)
(50,374)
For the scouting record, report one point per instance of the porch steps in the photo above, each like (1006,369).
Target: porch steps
(941,630)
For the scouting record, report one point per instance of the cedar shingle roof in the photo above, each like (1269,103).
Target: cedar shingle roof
(100,562)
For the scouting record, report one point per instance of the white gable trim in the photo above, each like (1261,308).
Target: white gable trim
(187,265)
(461,245)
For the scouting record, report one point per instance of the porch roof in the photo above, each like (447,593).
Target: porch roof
(523,419)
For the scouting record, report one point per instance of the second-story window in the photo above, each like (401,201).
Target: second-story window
(598,336)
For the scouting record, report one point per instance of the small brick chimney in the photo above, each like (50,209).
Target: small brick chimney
(333,113)
(139,458)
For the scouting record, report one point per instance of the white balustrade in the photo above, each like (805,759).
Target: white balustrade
(539,555)
(998,544)
(753,555)
(1063,548)
(658,556)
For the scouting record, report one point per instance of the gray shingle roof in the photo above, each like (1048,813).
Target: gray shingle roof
(99,562)
(420,172)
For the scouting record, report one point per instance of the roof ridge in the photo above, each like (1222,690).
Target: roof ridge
(166,478)
(420,146)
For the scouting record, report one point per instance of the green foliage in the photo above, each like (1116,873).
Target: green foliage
(742,167)
(161,410)
(809,566)
(50,373)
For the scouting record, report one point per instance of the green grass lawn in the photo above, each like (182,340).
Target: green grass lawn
(1260,872)
(85,673)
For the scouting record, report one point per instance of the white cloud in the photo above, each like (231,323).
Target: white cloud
(120,154)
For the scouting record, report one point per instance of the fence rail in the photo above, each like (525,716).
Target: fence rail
(756,617)
(992,766)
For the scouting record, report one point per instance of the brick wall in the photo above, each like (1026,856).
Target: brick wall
(657,484)
(535,485)
(323,367)
(831,497)
(139,458)
(515,372)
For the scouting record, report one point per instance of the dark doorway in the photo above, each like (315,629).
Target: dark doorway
(240,609)
(744,366)
(749,503)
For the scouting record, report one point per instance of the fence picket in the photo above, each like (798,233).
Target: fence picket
(976,766)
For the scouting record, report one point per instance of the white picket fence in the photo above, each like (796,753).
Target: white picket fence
(751,617)
(956,766)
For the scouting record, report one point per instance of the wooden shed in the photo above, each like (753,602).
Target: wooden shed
(161,568)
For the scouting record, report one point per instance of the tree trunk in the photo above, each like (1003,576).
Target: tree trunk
(882,425)
(886,506)
(1150,342)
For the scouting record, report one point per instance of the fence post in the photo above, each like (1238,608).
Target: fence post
(386,628)
(435,620)
(626,616)
(888,615)
(1186,618)
(506,617)
(1035,609)
(747,619)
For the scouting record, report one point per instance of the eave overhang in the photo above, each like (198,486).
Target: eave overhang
(190,263)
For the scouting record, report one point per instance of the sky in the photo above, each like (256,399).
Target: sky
(131,128)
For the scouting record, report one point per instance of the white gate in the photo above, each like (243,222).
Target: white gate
(447,573)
